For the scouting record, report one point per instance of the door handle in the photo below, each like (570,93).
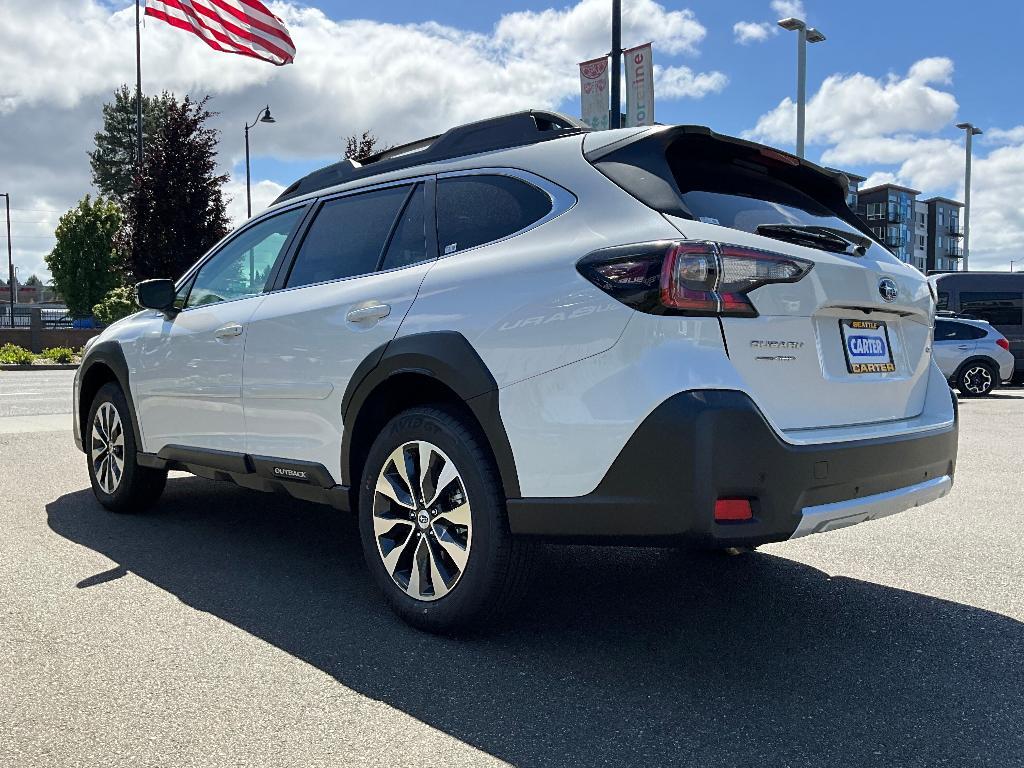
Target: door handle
(366,314)
(964,346)
(227,331)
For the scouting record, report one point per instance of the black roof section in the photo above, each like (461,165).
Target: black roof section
(503,132)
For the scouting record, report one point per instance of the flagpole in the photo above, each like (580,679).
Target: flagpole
(138,87)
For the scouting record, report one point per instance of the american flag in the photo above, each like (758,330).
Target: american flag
(245,27)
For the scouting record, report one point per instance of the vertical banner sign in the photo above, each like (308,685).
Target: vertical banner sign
(639,66)
(594,93)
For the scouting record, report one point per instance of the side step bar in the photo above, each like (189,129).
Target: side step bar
(304,480)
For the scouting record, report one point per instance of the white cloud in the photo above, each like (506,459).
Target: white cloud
(1013,135)
(856,105)
(683,82)
(786,8)
(746,32)
(402,81)
(891,128)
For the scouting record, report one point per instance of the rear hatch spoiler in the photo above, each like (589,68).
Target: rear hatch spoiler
(642,164)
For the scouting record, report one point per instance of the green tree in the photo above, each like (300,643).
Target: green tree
(176,211)
(120,302)
(360,147)
(84,263)
(113,161)
(34,281)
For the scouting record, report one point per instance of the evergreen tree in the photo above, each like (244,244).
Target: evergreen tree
(114,159)
(176,211)
(359,147)
(84,263)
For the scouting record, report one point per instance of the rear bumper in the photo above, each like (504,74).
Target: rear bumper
(703,445)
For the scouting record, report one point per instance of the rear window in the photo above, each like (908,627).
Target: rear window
(998,307)
(745,197)
(473,210)
(687,172)
(948,331)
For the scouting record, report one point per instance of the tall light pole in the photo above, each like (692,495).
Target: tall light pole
(262,117)
(971,133)
(615,113)
(10,258)
(805,35)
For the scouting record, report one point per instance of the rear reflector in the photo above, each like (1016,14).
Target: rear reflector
(1004,344)
(733,509)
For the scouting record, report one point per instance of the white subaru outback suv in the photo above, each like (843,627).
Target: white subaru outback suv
(521,329)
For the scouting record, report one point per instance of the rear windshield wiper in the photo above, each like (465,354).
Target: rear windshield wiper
(815,236)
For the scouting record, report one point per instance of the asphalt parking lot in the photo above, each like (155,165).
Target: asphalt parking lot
(234,628)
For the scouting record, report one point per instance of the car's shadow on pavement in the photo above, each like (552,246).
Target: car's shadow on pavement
(621,657)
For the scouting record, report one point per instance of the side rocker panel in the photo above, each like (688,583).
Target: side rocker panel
(450,359)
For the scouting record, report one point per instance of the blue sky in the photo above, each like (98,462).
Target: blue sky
(885,88)
(873,37)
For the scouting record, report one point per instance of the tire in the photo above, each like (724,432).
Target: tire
(451,563)
(977,379)
(134,488)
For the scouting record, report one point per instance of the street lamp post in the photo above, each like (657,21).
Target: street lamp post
(262,117)
(10,257)
(971,133)
(805,35)
(615,113)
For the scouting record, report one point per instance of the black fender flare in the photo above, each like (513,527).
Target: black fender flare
(109,354)
(449,358)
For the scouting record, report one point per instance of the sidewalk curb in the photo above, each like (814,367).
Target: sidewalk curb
(70,367)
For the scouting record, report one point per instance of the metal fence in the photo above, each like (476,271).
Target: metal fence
(51,318)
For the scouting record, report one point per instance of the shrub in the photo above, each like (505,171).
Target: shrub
(119,303)
(12,354)
(59,355)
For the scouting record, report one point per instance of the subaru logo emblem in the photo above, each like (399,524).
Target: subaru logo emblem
(887,289)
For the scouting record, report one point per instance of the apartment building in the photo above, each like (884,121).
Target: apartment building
(924,233)
(889,210)
(945,238)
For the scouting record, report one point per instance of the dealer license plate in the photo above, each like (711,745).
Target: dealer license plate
(867,348)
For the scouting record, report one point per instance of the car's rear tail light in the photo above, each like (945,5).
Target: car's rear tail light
(733,510)
(1003,343)
(689,277)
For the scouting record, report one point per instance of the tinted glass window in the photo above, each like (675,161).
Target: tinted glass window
(998,307)
(473,210)
(948,331)
(943,301)
(409,243)
(242,267)
(347,237)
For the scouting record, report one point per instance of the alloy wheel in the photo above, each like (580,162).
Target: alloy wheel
(978,380)
(421,520)
(107,448)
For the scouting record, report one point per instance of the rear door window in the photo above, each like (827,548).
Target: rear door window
(478,209)
(347,237)
(409,242)
(948,331)
(998,307)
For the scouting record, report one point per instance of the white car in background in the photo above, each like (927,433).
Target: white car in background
(972,355)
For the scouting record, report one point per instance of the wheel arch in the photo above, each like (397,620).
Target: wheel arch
(104,363)
(438,366)
(977,359)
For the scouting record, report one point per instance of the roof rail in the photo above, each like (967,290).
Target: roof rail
(503,132)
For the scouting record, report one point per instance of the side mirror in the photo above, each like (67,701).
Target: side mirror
(155,294)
